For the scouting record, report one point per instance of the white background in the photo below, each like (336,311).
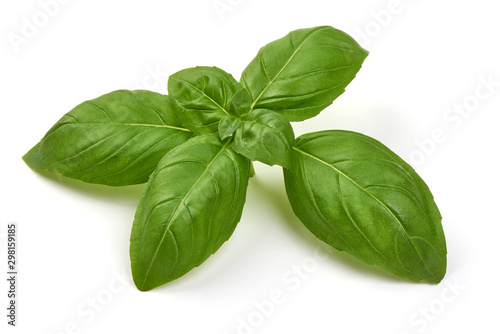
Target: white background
(428,59)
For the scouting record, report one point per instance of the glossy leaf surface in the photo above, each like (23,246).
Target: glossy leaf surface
(189,208)
(201,97)
(228,125)
(116,139)
(265,136)
(355,194)
(240,103)
(302,73)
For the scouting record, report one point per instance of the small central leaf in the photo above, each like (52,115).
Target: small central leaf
(201,97)
(265,136)
(228,125)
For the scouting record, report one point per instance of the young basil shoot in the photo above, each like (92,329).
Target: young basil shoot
(194,148)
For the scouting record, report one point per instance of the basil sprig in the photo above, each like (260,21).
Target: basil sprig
(194,149)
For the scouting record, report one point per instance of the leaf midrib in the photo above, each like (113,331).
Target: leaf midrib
(130,124)
(135,124)
(374,197)
(204,94)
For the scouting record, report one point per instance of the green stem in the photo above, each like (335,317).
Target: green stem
(252,169)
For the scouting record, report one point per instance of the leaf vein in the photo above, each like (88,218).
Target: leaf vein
(204,94)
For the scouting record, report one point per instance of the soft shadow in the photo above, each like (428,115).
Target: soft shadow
(127,194)
(278,197)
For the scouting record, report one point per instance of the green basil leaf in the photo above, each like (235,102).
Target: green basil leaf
(240,103)
(302,73)
(265,136)
(358,196)
(201,97)
(116,139)
(190,207)
(228,125)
